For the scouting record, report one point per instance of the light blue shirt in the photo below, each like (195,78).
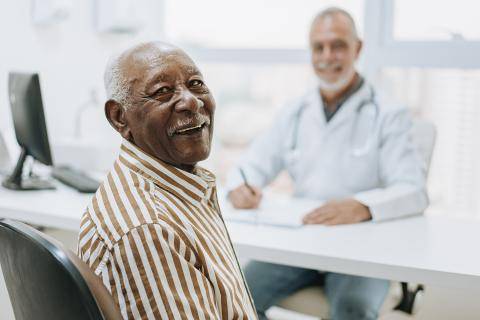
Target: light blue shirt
(365,153)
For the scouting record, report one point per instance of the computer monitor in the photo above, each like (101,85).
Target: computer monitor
(30,129)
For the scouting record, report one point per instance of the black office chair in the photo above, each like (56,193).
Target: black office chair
(46,281)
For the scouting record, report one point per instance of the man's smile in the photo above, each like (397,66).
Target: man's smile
(192,130)
(189,126)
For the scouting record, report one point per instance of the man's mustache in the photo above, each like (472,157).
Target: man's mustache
(196,120)
(323,66)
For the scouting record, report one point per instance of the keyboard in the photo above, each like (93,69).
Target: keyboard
(75,178)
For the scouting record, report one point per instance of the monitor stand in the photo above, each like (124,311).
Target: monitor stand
(16,182)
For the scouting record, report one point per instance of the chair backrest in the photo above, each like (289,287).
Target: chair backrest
(424,136)
(4,156)
(45,281)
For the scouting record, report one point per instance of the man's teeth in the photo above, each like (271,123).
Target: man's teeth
(191,128)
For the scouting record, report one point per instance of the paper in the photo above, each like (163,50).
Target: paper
(274,210)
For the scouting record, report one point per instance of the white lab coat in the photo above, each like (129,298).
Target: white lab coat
(388,176)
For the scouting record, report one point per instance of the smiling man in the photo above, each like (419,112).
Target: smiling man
(342,142)
(153,231)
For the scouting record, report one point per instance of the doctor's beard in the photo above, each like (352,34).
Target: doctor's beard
(337,85)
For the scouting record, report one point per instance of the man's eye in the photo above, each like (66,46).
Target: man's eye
(196,83)
(163,90)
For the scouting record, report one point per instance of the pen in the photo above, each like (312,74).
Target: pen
(244,177)
(249,187)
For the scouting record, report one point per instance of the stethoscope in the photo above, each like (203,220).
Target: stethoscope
(357,149)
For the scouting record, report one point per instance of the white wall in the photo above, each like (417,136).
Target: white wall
(70,57)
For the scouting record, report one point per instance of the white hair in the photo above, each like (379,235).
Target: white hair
(331,11)
(116,84)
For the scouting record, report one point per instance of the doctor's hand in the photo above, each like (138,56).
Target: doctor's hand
(338,212)
(244,197)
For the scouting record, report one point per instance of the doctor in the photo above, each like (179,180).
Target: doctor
(341,142)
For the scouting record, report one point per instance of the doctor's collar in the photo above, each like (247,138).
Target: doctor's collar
(331,109)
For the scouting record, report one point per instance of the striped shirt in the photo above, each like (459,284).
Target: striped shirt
(155,235)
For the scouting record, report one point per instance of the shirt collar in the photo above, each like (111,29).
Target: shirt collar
(347,110)
(194,187)
(338,104)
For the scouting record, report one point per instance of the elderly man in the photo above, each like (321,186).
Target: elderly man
(153,231)
(341,143)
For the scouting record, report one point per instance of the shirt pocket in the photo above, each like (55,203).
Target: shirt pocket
(361,171)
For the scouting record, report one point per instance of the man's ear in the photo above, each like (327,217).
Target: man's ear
(359,48)
(116,116)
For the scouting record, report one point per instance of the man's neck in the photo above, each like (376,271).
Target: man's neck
(330,98)
(185,167)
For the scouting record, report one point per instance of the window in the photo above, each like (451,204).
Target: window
(254,93)
(432,20)
(450,99)
(425,53)
(432,65)
(248,23)
(254,55)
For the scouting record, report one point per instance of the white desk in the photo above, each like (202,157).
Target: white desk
(61,208)
(430,250)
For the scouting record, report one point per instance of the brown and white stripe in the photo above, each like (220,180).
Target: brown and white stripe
(155,235)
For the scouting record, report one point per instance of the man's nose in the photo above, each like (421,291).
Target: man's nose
(327,53)
(188,102)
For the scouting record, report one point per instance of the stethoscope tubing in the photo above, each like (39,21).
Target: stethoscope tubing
(355,151)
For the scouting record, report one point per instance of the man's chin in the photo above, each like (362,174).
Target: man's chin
(335,84)
(332,86)
(193,156)
(188,150)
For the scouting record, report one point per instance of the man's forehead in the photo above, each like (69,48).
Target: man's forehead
(330,25)
(179,60)
(154,59)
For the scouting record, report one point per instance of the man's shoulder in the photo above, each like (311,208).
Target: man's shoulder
(387,104)
(394,115)
(110,225)
(124,200)
(94,234)
(291,108)
(308,97)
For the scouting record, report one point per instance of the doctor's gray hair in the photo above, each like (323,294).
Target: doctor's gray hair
(116,84)
(332,11)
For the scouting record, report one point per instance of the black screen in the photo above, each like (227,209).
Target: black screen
(28,117)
